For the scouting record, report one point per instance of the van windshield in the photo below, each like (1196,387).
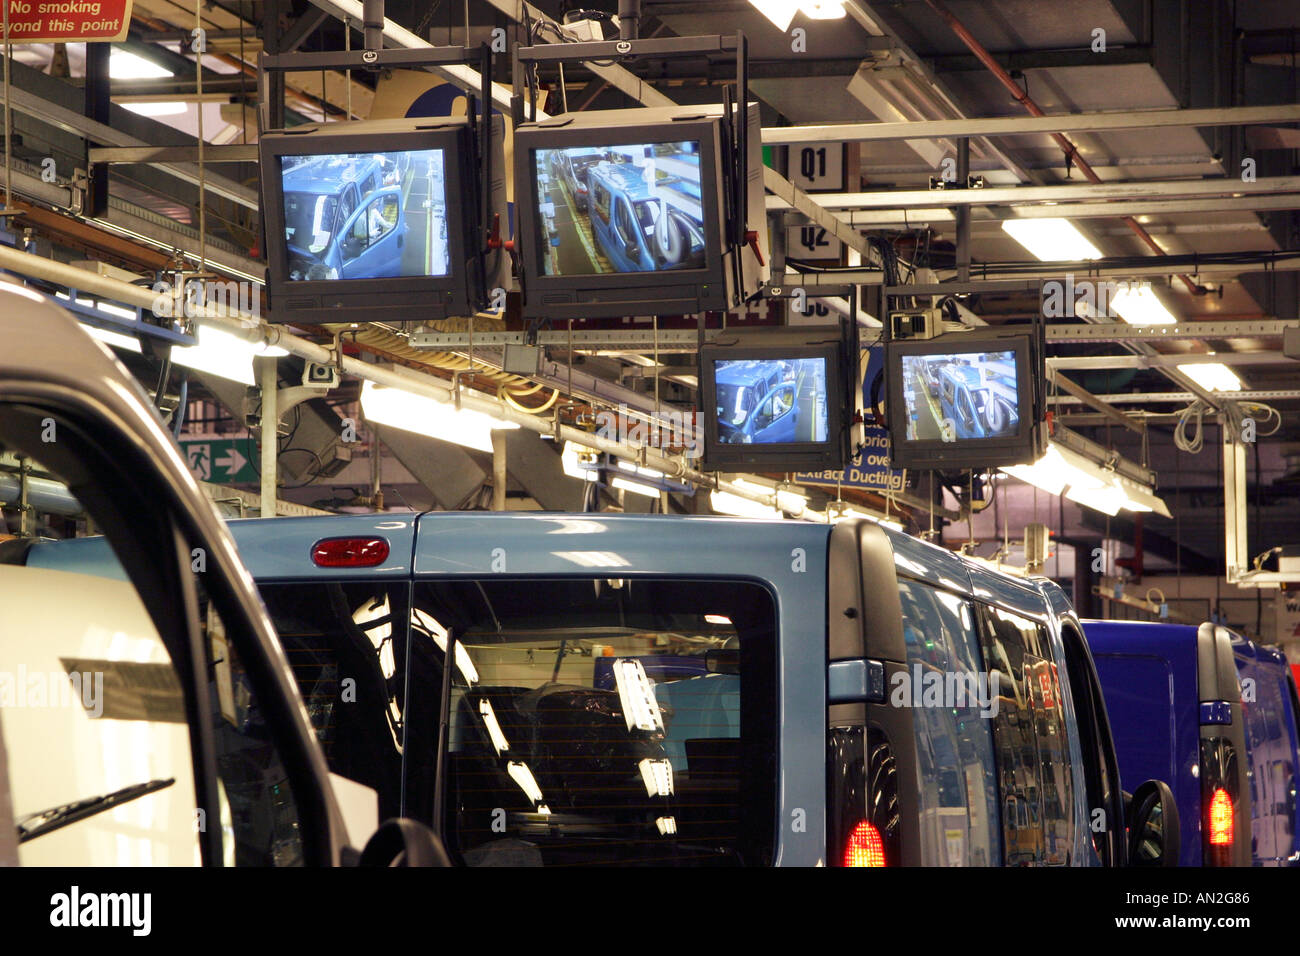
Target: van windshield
(309,220)
(620,722)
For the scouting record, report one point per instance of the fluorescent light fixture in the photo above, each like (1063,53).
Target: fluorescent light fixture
(724,502)
(637,696)
(572,458)
(792,502)
(1058,469)
(426,622)
(1051,240)
(627,484)
(1214,376)
(717,619)
(667,826)
(1141,306)
(116,339)
(127,66)
(780,12)
(657,775)
(421,415)
(222,354)
(521,775)
(1083,481)
(593,559)
(499,742)
(839,511)
(823,9)
(169,108)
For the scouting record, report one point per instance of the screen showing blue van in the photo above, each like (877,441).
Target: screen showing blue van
(365,215)
(619,209)
(771,401)
(961,396)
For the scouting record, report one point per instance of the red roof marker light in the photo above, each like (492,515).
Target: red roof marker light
(349,552)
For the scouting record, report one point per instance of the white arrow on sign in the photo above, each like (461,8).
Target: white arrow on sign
(232,463)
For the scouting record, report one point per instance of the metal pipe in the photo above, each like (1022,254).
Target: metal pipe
(270,416)
(629,19)
(373,24)
(499,478)
(42,494)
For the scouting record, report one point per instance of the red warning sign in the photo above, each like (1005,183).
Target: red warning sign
(68,21)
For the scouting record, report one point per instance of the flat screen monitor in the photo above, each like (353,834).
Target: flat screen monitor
(623,213)
(376,221)
(777,400)
(964,399)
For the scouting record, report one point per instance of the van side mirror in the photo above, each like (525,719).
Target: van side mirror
(404,842)
(1153,830)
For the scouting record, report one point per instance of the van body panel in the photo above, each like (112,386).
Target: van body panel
(1149,678)
(281,550)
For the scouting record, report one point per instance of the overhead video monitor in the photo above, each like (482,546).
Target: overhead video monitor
(377,221)
(365,215)
(620,208)
(777,399)
(964,400)
(624,213)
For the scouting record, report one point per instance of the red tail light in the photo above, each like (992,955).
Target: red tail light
(865,847)
(349,552)
(1221,818)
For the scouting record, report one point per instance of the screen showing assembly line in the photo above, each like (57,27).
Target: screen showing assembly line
(771,401)
(961,396)
(619,209)
(365,215)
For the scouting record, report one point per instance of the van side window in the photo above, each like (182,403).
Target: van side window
(956,773)
(347,645)
(1030,738)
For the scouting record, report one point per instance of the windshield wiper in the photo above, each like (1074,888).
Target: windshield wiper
(55,818)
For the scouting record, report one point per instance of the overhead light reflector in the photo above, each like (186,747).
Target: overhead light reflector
(128,66)
(1051,240)
(780,12)
(1214,376)
(399,408)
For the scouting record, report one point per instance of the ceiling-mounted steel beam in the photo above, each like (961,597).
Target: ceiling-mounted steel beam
(396,36)
(73,122)
(1032,125)
(1095,362)
(1143,398)
(999,195)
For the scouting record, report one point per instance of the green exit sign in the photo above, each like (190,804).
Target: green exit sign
(225,461)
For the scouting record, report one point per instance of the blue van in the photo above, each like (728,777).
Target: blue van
(977,408)
(1214,715)
(839,695)
(643,229)
(344,218)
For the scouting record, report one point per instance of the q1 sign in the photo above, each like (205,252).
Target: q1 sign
(68,21)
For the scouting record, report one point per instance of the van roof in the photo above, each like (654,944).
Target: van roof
(343,172)
(551,543)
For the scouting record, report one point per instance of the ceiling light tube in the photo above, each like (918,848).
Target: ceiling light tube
(421,415)
(1051,240)
(1214,376)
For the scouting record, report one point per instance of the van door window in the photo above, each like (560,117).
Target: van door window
(956,774)
(1029,734)
(101,718)
(624,721)
(347,646)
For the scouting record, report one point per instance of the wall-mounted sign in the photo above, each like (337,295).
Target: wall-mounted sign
(68,21)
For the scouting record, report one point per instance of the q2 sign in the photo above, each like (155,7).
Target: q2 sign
(811,241)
